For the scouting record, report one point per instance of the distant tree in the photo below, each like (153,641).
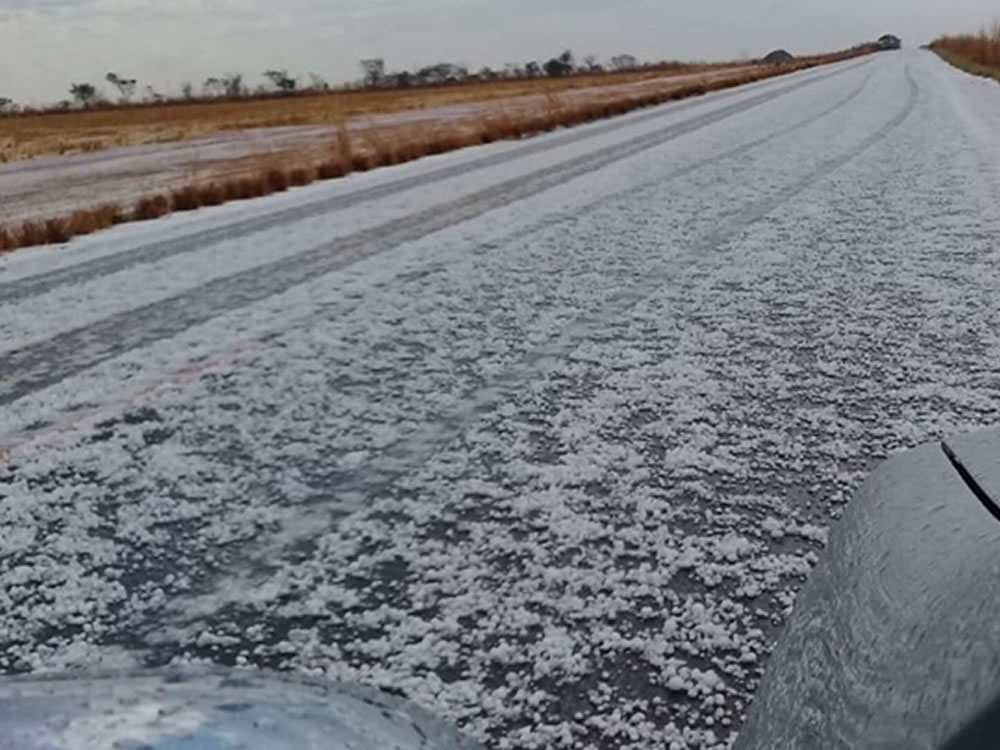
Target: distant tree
(213,86)
(590,62)
(125,86)
(556,67)
(487,73)
(566,58)
(232,83)
(442,73)
(374,71)
(187,90)
(280,80)
(532,69)
(229,85)
(6,104)
(513,70)
(624,62)
(318,82)
(403,79)
(151,95)
(84,93)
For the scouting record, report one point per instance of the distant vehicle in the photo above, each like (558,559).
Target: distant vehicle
(894,641)
(889,42)
(211,709)
(778,57)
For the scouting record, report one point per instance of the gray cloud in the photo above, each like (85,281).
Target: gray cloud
(44,44)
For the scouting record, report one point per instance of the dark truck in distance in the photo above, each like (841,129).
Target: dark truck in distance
(779,57)
(889,42)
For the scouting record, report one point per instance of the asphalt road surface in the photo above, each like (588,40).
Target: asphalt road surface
(543,435)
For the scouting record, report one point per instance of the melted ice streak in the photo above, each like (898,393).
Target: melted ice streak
(555,472)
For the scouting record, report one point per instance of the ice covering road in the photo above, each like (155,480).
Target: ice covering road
(544,435)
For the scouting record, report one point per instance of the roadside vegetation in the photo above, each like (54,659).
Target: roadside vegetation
(978,54)
(94,120)
(348,152)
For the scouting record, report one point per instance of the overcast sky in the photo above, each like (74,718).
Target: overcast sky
(46,44)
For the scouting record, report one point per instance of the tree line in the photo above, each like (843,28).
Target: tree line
(374,75)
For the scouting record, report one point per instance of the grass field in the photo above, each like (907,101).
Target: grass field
(347,151)
(978,54)
(81,131)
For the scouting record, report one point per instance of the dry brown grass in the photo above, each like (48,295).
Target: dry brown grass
(245,188)
(108,215)
(87,222)
(299,176)
(330,170)
(277,181)
(32,233)
(151,207)
(380,149)
(56,231)
(185,198)
(975,53)
(212,194)
(8,240)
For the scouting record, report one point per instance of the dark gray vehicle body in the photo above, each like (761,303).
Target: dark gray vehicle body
(895,639)
(889,42)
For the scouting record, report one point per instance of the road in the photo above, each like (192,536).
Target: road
(545,435)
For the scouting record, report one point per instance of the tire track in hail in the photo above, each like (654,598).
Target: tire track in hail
(380,474)
(640,187)
(412,451)
(18,290)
